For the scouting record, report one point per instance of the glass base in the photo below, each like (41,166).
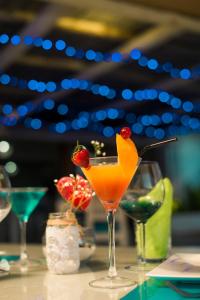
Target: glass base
(141,267)
(28,266)
(112,282)
(150,260)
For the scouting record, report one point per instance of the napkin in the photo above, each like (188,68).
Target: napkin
(158,227)
(154,289)
(4,266)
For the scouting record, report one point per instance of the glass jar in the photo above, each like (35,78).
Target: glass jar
(62,243)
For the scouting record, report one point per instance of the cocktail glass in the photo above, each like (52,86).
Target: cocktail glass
(109,181)
(142,199)
(23,201)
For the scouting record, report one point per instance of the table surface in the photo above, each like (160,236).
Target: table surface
(41,285)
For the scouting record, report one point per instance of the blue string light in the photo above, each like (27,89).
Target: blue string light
(7,109)
(62,109)
(5,79)
(60,127)
(49,104)
(188,106)
(37,42)
(15,40)
(97,56)
(47,44)
(141,125)
(108,131)
(102,90)
(4,38)
(36,124)
(22,110)
(60,45)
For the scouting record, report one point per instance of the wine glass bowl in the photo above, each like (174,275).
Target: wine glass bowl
(5,205)
(24,200)
(107,181)
(144,197)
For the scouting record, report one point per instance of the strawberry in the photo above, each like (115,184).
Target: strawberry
(76,190)
(80,156)
(125,132)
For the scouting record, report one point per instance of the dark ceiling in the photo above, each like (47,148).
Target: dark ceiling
(163,30)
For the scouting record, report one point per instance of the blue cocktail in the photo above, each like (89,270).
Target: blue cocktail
(23,201)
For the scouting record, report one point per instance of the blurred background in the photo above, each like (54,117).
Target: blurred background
(81,69)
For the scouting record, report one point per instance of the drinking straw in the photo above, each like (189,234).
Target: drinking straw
(156,145)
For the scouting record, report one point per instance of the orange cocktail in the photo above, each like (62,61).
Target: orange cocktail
(108,180)
(110,177)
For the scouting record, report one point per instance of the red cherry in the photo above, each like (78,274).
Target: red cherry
(125,132)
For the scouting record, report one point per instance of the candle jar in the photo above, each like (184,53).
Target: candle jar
(62,243)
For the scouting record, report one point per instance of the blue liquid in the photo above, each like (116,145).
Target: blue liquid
(24,202)
(139,211)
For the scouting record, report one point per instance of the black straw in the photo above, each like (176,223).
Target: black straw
(155,145)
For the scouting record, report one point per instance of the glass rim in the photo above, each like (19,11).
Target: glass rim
(148,162)
(109,157)
(104,157)
(23,189)
(56,215)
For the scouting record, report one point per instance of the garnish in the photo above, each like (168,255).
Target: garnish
(80,156)
(98,146)
(76,190)
(125,132)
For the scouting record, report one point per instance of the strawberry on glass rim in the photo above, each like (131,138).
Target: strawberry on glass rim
(80,156)
(76,190)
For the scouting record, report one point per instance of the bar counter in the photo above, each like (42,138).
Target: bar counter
(39,284)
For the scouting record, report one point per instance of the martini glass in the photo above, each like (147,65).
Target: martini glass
(108,180)
(142,199)
(24,200)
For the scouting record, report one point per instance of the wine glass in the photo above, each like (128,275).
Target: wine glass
(143,198)
(5,205)
(109,182)
(4,199)
(24,200)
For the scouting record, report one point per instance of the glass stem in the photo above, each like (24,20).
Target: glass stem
(142,242)
(23,253)
(111,233)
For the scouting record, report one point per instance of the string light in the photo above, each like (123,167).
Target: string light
(100,115)
(141,125)
(104,91)
(97,56)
